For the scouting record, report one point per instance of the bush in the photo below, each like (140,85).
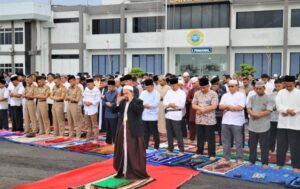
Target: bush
(246,69)
(136,72)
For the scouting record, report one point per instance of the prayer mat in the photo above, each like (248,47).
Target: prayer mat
(70,143)
(24,139)
(233,155)
(256,173)
(193,163)
(53,141)
(114,183)
(5,133)
(220,168)
(165,177)
(104,150)
(81,148)
(294,184)
(161,158)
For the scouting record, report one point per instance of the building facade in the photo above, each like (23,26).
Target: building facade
(203,37)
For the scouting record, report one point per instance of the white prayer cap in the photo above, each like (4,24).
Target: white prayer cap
(14,75)
(161,77)
(77,77)
(233,82)
(194,79)
(128,87)
(275,75)
(180,81)
(186,74)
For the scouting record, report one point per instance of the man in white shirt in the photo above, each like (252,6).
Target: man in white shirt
(288,132)
(16,91)
(232,104)
(91,100)
(64,79)
(151,100)
(269,84)
(50,83)
(3,105)
(174,102)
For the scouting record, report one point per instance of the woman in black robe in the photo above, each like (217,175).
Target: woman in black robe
(130,152)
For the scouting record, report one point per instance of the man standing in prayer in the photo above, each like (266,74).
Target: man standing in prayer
(91,100)
(30,107)
(151,99)
(50,83)
(58,95)
(130,152)
(205,103)
(43,92)
(288,132)
(274,116)
(192,112)
(259,109)
(16,91)
(174,102)
(162,88)
(74,113)
(3,105)
(110,118)
(233,104)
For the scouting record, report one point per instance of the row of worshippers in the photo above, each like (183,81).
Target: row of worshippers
(208,104)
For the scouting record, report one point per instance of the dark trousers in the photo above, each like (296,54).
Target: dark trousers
(183,127)
(287,138)
(263,140)
(218,128)
(174,127)
(50,114)
(206,133)
(104,125)
(17,118)
(111,131)
(273,136)
(3,119)
(151,128)
(192,129)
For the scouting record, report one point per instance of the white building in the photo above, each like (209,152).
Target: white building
(204,37)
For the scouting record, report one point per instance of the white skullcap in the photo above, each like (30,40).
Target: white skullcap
(180,81)
(233,82)
(128,87)
(275,75)
(186,74)
(77,77)
(14,75)
(194,79)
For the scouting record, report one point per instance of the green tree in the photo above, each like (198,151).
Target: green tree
(136,72)
(246,69)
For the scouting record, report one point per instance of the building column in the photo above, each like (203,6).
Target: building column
(13,47)
(285,38)
(33,48)
(122,39)
(81,44)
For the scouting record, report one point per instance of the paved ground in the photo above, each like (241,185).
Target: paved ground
(20,164)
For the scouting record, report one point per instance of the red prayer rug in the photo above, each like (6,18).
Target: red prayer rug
(165,177)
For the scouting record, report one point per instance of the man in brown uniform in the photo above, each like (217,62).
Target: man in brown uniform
(74,113)
(30,106)
(162,88)
(42,93)
(58,95)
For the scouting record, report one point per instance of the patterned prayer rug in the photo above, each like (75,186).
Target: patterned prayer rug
(220,168)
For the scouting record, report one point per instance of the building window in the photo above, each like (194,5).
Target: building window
(296,18)
(295,63)
(105,64)
(106,26)
(5,36)
(269,63)
(259,19)
(65,56)
(149,63)
(18,35)
(65,20)
(148,24)
(199,16)
(7,68)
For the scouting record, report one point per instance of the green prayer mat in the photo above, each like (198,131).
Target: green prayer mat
(112,182)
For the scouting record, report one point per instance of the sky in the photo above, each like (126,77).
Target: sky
(60,2)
